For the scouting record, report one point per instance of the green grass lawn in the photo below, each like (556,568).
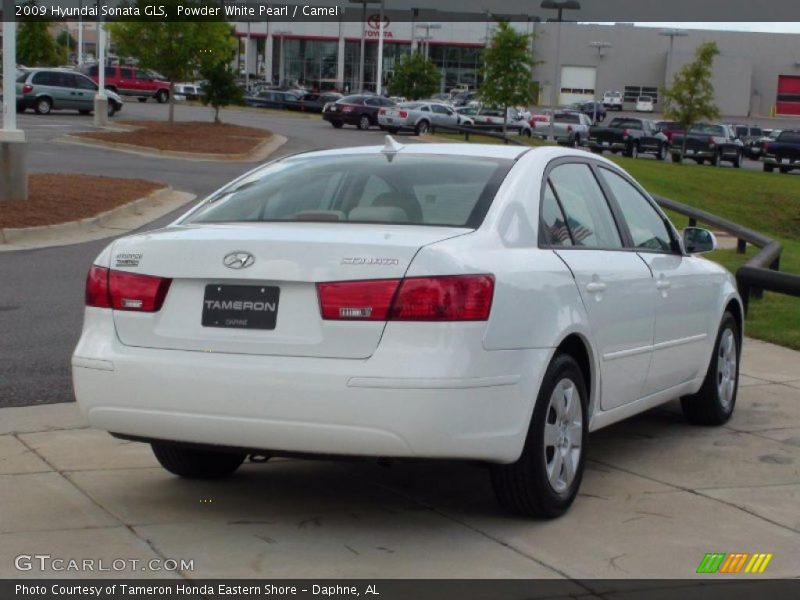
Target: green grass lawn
(765,202)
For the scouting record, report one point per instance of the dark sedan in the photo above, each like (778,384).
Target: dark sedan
(315,102)
(358,110)
(593,110)
(274,99)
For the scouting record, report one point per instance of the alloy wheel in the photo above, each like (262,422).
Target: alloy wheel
(726,368)
(563,432)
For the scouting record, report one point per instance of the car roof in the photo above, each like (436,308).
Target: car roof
(477,150)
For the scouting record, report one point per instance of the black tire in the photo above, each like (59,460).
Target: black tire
(84,112)
(364,123)
(708,406)
(527,133)
(392,130)
(111,110)
(717,160)
(784,170)
(192,463)
(576,141)
(597,150)
(422,128)
(524,487)
(661,153)
(337,124)
(676,158)
(632,151)
(737,162)
(140,99)
(162,96)
(43,106)
(768,168)
(700,161)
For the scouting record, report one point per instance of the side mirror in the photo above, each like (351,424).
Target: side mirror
(698,241)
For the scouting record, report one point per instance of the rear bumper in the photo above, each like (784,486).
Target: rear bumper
(401,402)
(771,160)
(618,146)
(350,118)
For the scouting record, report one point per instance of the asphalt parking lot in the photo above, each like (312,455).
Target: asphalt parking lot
(658,493)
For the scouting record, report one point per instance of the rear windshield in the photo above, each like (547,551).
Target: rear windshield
(427,189)
(791,137)
(351,99)
(625,124)
(567,118)
(708,129)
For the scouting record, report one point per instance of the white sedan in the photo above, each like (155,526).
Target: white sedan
(451,301)
(645,104)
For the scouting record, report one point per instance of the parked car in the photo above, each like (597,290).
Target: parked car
(750,136)
(570,128)
(491,118)
(629,135)
(360,110)
(669,128)
(341,303)
(594,110)
(612,100)
(190,91)
(712,142)
(316,101)
(464,98)
(467,114)
(645,104)
(783,153)
(132,81)
(274,99)
(45,90)
(418,117)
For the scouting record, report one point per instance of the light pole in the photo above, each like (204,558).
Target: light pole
(379,74)
(100,99)
(13,178)
(427,27)
(247,60)
(363,4)
(80,34)
(282,66)
(600,47)
(559,6)
(671,34)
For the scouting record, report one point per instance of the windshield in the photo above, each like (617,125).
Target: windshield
(645,99)
(708,129)
(421,189)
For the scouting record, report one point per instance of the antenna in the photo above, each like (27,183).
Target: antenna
(391,147)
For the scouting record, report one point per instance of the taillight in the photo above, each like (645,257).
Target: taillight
(403,114)
(368,300)
(625,134)
(446,298)
(347,109)
(125,291)
(569,128)
(27,88)
(382,111)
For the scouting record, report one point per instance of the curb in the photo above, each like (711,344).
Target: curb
(259,153)
(42,236)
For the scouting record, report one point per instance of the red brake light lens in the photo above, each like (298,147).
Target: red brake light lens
(403,114)
(27,88)
(454,298)
(357,300)
(382,111)
(125,291)
(447,298)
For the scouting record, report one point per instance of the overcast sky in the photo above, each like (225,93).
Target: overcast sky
(766,27)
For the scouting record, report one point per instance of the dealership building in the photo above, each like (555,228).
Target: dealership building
(755,74)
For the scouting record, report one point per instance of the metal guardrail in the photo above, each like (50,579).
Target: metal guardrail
(762,271)
(484,130)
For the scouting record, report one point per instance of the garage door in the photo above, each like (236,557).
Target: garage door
(788,95)
(577,84)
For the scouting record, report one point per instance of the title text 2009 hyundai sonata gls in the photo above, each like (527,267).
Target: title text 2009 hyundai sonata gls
(441,301)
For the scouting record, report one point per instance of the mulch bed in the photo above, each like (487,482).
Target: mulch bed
(60,198)
(199,137)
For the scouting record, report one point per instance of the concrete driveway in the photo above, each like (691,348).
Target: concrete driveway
(658,494)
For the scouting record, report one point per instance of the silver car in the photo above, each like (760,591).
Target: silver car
(418,116)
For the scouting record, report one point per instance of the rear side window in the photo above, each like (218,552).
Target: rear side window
(409,189)
(589,218)
(45,78)
(554,230)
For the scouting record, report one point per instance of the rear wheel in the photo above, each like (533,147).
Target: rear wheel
(162,96)
(576,141)
(785,170)
(44,106)
(632,151)
(422,128)
(737,161)
(716,161)
(84,112)
(768,168)
(111,110)
(597,150)
(714,403)
(676,158)
(337,124)
(661,153)
(699,161)
(196,464)
(545,479)
(364,122)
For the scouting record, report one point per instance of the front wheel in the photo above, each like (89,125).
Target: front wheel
(768,168)
(111,111)
(162,96)
(545,479)
(364,122)
(661,153)
(737,161)
(193,463)
(714,403)
(632,151)
(717,160)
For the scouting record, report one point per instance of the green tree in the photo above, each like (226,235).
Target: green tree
(220,88)
(35,46)
(415,76)
(65,43)
(508,62)
(177,49)
(690,99)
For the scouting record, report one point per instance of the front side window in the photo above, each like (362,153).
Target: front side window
(126,73)
(589,218)
(410,189)
(648,229)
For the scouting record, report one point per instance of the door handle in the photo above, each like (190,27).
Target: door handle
(663,284)
(595,287)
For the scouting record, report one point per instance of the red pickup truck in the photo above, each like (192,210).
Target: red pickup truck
(130,81)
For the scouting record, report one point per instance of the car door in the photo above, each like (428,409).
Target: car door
(127,82)
(615,285)
(686,293)
(85,91)
(650,140)
(440,116)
